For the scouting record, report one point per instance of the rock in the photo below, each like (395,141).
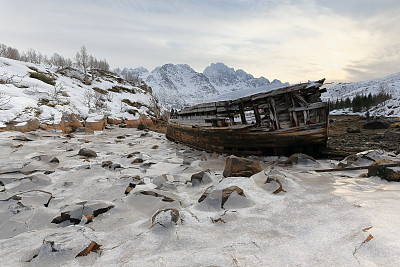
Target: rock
(55,160)
(75,212)
(240,167)
(391,174)
(392,135)
(154,194)
(225,193)
(22,138)
(137,160)
(132,154)
(121,137)
(166,217)
(141,126)
(376,125)
(58,248)
(200,178)
(362,159)
(160,180)
(148,164)
(106,164)
(96,125)
(301,159)
(353,130)
(115,166)
(87,153)
(110,165)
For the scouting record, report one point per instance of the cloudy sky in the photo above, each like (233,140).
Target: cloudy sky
(291,40)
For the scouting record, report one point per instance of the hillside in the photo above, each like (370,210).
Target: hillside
(179,85)
(29,91)
(389,84)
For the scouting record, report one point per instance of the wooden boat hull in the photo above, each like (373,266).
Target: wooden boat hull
(310,139)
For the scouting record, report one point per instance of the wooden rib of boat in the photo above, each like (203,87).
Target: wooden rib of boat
(288,120)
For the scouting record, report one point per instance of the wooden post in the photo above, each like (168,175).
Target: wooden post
(274,113)
(257,115)
(242,115)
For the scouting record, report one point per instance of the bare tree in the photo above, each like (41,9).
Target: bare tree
(4,99)
(5,78)
(82,60)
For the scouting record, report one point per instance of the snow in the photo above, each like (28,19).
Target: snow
(322,219)
(22,99)
(389,85)
(179,85)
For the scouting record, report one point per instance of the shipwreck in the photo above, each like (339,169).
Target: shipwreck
(283,121)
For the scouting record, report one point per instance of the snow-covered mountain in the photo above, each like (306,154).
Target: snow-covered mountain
(389,85)
(226,79)
(29,91)
(179,85)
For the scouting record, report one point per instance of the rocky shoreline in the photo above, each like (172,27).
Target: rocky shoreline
(347,135)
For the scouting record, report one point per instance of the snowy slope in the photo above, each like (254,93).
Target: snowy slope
(26,98)
(389,84)
(179,85)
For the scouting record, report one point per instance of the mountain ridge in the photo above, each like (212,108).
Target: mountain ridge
(179,85)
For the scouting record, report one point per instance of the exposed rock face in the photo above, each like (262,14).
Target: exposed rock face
(376,125)
(240,167)
(87,153)
(301,159)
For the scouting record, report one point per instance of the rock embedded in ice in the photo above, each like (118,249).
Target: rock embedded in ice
(166,217)
(200,178)
(87,153)
(219,197)
(391,174)
(363,158)
(61,247)
(55,160)
(301,159)
(137,160)
(240,167)
(74,213)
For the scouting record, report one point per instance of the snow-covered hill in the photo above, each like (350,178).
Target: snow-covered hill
(389,85)
(179,85)
(29,91)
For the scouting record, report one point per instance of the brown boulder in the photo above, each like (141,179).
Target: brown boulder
(302,159)
(391,174)
(96,125)
(240,167)
(87,153)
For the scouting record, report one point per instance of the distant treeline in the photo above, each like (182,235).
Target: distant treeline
(360,102)
(55,60)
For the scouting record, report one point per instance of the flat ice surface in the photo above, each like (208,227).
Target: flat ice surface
(319,221)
